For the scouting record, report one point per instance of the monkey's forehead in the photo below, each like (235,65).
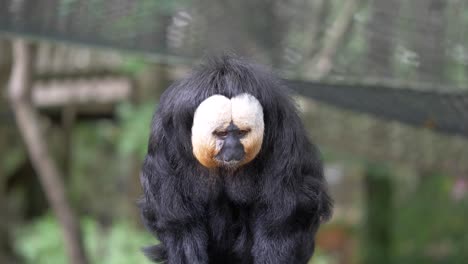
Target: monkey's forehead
(217,111)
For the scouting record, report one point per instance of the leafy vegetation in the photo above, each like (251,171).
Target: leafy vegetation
(136,123)
(120,243)
(431,224)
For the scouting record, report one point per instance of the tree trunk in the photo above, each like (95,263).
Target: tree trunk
(377,181)
(68,116)
(314,25)
(379,215)
(29,127)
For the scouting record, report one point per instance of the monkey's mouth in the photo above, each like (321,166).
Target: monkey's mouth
(232,164)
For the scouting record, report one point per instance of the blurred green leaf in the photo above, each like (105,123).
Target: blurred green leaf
(135,127)
(41,242)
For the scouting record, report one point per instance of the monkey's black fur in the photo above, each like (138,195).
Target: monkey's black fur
(266,211)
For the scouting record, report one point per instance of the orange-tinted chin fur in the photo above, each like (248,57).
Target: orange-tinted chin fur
(252,147)
(206,155)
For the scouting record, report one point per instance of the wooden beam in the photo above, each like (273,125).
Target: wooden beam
(81,91)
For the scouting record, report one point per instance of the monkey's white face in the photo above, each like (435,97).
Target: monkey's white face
(227,132)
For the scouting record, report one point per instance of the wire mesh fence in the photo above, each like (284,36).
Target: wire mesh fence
(396,60)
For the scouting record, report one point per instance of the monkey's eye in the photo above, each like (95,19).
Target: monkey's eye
(243,132)
(220,134)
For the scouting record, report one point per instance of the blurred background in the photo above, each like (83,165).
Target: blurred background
(381,86)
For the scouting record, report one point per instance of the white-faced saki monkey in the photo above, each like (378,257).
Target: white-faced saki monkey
(230,175)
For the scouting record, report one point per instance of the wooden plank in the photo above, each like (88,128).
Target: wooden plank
(56,93)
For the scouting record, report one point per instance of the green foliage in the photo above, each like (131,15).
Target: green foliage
(133,65)
(41,242)
(135,128)
(431,224)
(107,156)
(321,258)
(97,170)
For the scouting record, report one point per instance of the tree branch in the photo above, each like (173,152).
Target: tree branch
(49,176)
(322,63)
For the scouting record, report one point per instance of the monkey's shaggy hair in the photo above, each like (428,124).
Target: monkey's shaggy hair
(266,211)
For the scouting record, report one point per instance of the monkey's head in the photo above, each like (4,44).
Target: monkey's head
(228,114)
(227,132)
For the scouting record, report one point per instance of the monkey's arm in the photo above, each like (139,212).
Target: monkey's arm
(285,225)
(175,221)
(184,245)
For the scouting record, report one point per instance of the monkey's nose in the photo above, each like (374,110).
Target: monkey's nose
(232,150)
